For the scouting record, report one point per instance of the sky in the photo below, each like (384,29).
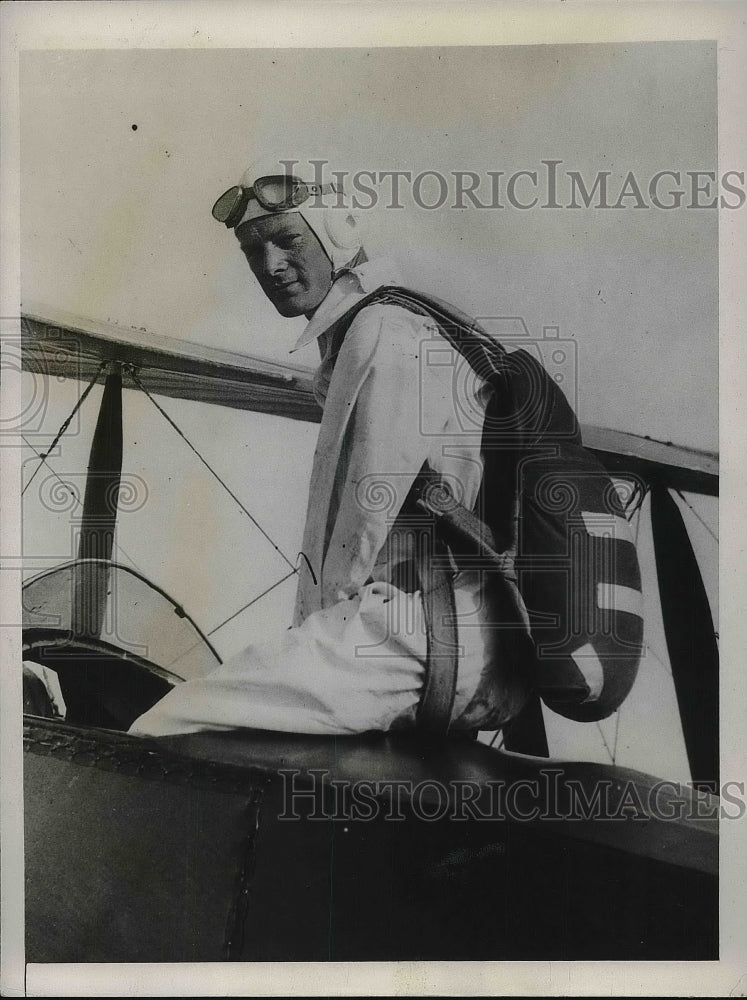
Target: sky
(124,152)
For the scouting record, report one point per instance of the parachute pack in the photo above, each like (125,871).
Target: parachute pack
(549,520)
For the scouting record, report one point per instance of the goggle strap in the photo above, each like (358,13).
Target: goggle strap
(332,187)
(233,217)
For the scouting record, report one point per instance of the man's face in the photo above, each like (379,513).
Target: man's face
(288,261)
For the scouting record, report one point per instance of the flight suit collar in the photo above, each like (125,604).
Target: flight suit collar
(351,286)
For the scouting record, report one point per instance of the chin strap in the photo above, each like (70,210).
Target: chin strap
(360,257)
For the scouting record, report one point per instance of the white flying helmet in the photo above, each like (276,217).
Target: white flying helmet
(270,186)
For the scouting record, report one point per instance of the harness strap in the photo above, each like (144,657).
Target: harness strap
(439,610)
(456,535)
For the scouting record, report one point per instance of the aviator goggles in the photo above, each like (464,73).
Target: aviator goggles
(276,193)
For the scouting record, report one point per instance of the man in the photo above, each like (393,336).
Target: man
(356,658)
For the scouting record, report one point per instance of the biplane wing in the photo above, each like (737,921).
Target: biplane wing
(57,344)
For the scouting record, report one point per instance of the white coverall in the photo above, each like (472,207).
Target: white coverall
(354,660)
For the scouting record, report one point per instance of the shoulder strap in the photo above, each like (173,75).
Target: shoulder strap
(527,409)
(484,354)
(455,526)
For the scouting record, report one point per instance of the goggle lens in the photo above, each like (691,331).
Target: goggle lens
(275,193)
(228,204)
(279,192)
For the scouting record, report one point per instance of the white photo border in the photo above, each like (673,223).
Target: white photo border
(163,24)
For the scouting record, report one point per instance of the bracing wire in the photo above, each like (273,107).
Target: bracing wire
(212,471)
(707,527)
(235,614)
(78,503)
(617,733)
(253,601)
(606,744)
(64,426)
(650,649)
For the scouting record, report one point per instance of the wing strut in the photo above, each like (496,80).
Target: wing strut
(99,517)
(691,638)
